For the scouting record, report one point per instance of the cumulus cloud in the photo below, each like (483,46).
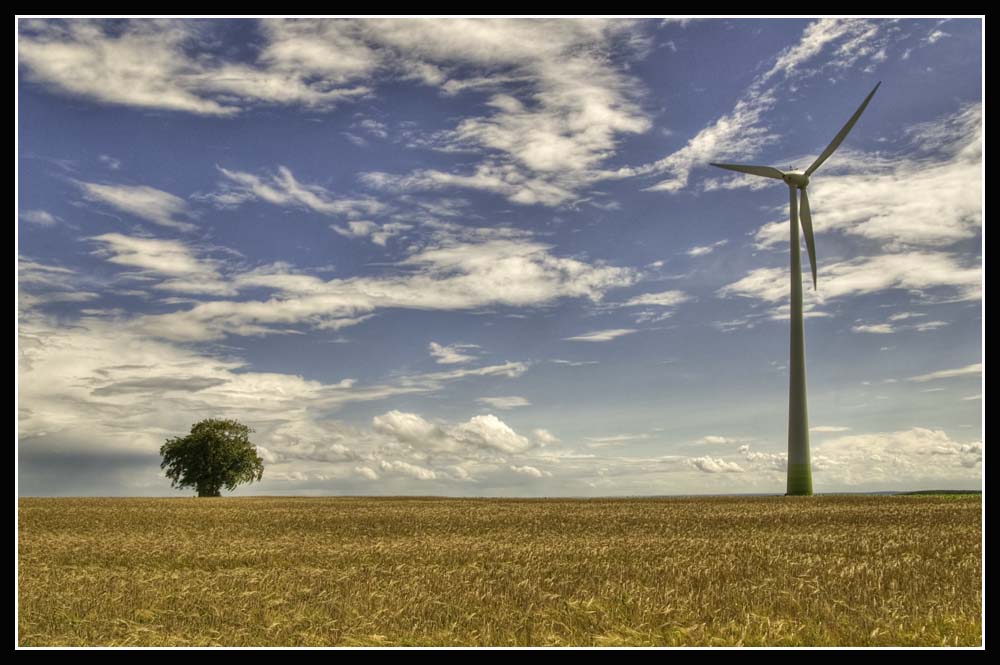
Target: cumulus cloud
(366,472)
(534,472)
(916,453)
(413,429)
(406,469)
(714,465)
(486,433)
(544,437)
(765,461)
(490,432)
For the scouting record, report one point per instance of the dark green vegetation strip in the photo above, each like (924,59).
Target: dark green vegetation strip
(844,570)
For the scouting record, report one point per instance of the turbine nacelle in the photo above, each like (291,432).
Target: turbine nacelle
(797,179)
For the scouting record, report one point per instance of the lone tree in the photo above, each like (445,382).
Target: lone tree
(216,454)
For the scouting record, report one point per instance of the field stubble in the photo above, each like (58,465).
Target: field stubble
(402,571)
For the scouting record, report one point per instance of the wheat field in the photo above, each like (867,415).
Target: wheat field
(849,570)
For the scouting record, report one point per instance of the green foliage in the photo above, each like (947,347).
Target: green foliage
(216,454)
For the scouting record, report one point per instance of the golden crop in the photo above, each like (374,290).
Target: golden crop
(403,571)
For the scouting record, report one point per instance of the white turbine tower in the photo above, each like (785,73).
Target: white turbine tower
(799,466)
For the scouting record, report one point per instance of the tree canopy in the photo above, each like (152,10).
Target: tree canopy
(216,454)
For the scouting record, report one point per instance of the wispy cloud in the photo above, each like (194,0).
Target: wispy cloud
(377,233)
(974,369)
(451,354)
(170,259)
(602,335)
(283,189)
(40,217)
(703,250)
(663,298)
(453,275)
(504,403)
(741,133)
(165,64)
(144,202)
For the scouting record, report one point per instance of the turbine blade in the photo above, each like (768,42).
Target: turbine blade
(764,171)
(839,138)
(805,216)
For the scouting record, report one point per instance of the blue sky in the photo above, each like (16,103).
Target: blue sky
(489,257)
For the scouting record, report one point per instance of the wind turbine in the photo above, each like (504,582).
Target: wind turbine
(799,466)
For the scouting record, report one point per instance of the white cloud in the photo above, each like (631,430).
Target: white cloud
(601,335)
(530,471)
(714,465)
(828,428)
(366,472)
(40,217)
(40,284)
(282,189)
(902,316)
(544,437)
(449,276)
(713,439)
(856,38)
(893,325)
(929,196)
(878,329)
(969,370)
(921,272)
(490,432)
(913,454)
(378,233)
(164,258)
(663,299)
(930,325)
(407,469)
(765,461)
(451,354)
(741,133)
(147,203)
(702,250)
(936,36)
(111,162)
(574,363)
(504,403)
(479,433)
(412,429)
(163,64)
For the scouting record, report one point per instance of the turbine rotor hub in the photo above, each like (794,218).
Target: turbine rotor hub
(796,179)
